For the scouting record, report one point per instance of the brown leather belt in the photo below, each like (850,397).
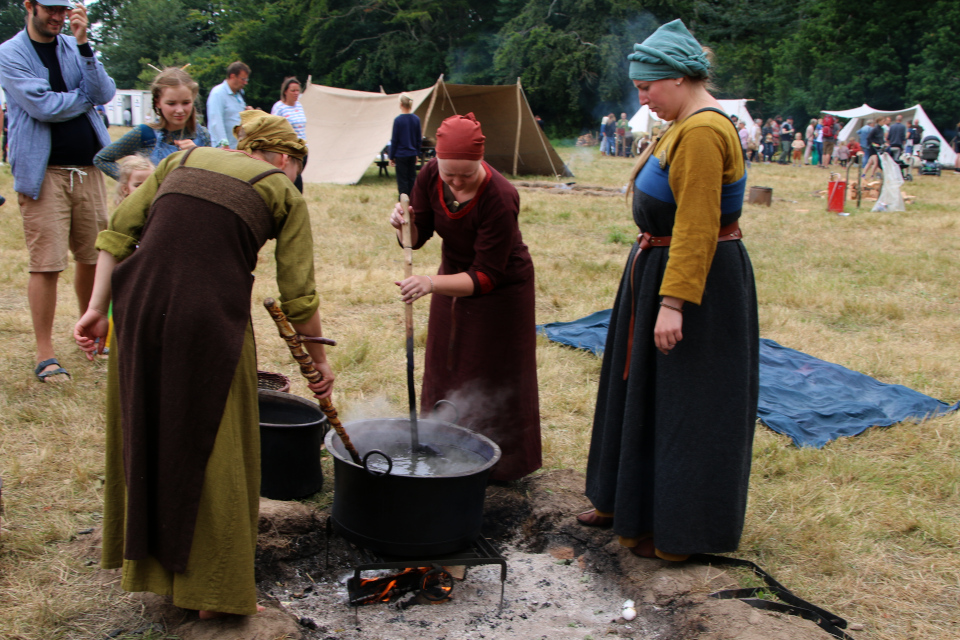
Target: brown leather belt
(729,232)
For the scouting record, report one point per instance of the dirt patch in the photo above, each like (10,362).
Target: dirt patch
(288,532)
(564,581)
(562,188)
(273,623)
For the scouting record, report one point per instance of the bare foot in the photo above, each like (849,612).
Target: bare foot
(213,615)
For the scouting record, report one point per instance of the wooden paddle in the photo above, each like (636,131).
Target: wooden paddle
(292,338)
(408,318)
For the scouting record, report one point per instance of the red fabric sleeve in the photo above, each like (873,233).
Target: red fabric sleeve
(486,286)
(497,234)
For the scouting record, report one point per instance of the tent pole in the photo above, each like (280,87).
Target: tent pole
(516,147)
(446,94)
(542,135)
(433,99)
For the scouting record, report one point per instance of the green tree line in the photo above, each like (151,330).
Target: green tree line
(791,57)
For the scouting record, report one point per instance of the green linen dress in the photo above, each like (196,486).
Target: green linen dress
(219,574)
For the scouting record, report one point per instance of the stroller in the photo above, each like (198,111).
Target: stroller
(929,152)
(907,162)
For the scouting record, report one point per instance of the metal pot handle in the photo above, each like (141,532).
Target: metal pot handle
(373,472)
(456,411)
(440,578)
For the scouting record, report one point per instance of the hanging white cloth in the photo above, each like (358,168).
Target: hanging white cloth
(890,197)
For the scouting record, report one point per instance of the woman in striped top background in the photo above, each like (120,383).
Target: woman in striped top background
(290,108)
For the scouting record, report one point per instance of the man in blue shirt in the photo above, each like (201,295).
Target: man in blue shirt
(896,137)
(405,145)
(53,83)
(224,105)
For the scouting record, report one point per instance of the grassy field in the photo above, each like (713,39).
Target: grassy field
(868,527)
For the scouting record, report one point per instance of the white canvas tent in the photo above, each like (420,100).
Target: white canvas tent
(739,108)
(859,116)
(346,129)
(644,120)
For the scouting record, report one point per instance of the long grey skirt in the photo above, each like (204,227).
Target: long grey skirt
(671,447)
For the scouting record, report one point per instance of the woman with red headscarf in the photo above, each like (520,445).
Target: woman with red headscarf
(481,342)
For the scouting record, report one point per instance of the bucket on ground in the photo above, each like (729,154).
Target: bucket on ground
(761,195)
(836,194)
(291,434)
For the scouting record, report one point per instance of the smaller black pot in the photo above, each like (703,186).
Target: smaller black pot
(291,432)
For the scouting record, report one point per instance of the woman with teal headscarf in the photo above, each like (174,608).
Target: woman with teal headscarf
(670,454)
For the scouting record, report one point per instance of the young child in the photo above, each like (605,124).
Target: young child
(768,148)
(134,171)
(843,153)
(173,93)
(798,145)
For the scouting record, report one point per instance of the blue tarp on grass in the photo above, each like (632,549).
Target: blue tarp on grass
(810,400)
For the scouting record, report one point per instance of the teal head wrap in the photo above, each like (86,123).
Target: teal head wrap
(670,52)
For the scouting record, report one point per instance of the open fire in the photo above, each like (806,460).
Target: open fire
(428,584)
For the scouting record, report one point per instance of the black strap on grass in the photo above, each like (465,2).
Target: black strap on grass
(829,622)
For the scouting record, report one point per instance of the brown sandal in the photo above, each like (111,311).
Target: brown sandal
(591,519)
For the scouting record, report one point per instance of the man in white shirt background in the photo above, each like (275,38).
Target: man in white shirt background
(224,105)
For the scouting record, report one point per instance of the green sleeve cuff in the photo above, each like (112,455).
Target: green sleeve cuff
(300,310)
(118,244)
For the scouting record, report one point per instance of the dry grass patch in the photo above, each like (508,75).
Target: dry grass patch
(867,526)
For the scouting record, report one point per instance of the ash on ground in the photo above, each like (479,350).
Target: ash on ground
(564,581)
(544,597)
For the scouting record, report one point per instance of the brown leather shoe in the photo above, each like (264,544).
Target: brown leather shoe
(644,549)
(591,519)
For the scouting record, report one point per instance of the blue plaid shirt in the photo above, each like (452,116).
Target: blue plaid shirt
(32,105)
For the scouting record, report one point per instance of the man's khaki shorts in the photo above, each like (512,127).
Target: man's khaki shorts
(828,144)
(71,211)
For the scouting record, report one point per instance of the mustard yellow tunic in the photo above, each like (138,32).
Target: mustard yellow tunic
(220,570)
(701,154)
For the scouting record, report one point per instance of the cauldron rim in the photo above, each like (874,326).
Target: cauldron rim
(293,399)
(345,457)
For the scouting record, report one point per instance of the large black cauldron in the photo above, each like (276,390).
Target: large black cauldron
(408,515)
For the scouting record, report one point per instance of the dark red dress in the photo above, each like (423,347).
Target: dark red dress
(481,349)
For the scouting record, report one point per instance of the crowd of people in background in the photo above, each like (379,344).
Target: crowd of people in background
(780,140)
(616,136)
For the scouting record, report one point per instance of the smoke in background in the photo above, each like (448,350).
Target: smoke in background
(571,61)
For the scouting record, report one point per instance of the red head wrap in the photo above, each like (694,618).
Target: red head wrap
(460,138)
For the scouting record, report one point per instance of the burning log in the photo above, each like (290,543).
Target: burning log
(428,583)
